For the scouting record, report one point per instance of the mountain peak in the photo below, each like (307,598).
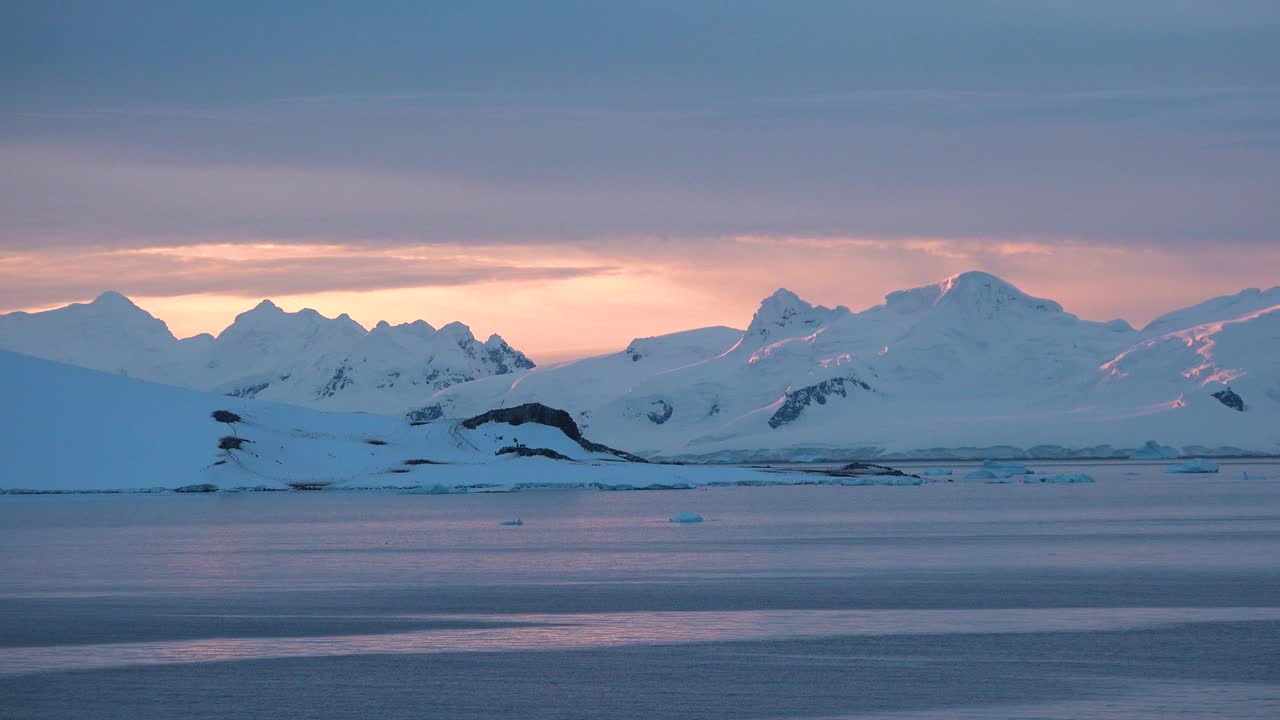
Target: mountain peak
(783,296)
(459,332)
(784,311)
(974,291)
(111,298)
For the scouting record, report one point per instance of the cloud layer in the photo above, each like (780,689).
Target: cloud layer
(1121,157)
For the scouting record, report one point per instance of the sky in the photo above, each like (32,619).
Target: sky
(575,174)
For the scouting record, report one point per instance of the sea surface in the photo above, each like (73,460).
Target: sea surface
(1143,595)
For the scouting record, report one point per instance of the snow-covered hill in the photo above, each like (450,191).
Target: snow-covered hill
(969,367)
(302,358)
(74,429)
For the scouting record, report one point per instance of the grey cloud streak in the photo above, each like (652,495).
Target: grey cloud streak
(53,278)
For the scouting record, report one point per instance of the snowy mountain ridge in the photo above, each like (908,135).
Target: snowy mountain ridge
(301,357)
(968,367)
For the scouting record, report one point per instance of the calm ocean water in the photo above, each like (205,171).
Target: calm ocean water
(1139,596)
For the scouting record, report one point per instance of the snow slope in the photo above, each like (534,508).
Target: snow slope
(302,358)
(72,429)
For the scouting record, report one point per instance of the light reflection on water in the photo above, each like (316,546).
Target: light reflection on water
(152,544)
(601,630)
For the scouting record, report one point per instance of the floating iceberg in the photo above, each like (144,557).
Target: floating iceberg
(1064,478)
(936,471)
(1153,450)
(1194,466)
(992,469)
(517,521)
(686,517)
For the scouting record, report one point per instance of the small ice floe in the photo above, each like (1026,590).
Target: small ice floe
(517,521)
(1246,475)
(1131,473)
(1064,478)
(936,471)
(686,517)
(1193,466)
(993,469)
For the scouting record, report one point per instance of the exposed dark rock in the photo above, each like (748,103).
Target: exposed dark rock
(201,488)
(529,413)
(309,484)
(1229,398)
(398,471)
(421,461)
(425,414)
(340,380)
(797,400)
(231,442)
(225,416)
(872,469)
(661,412)
(505,358)
(543,415)
(522,451)
(375,441)
(248,391)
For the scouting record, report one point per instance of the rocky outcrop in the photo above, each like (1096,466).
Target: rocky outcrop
(522,451)
(1229,398)
(797,400)
(504,358)
(425,414)
(661,412)
(543,415)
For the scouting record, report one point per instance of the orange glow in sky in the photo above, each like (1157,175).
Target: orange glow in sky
(558,302)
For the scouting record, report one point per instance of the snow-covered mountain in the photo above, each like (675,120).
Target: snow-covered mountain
(971,366)
(302,358)
(968,367)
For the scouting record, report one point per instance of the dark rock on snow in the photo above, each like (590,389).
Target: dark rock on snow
(522,451)
(543,415)
(797,400)
(1229,398)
